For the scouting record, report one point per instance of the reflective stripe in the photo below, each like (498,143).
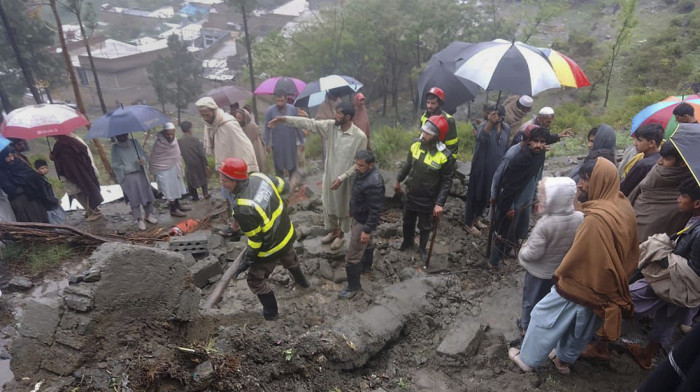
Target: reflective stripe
(435,161)
(451,141)
(270,222)
(254,244)
(252,232)
(250,203)
(281,244)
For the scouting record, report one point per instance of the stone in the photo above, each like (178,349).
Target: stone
(340,276)
(78,303)
(26,356)
(77,322)
(314,248)
(92,275)
(325,269)
(20,283)
(40,319)
(216,241)
(189,259)
(189,304)
(70,339)
(205,269)
(61,360)
(215,278)
(409,273)
(463,338)
(204,374)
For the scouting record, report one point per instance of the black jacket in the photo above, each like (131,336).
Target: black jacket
(451,139)
(429,176)
(367,199)
(688,246)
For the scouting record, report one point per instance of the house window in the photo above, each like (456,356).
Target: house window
(82,74)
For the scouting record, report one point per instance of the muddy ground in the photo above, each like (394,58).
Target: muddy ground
(231,348)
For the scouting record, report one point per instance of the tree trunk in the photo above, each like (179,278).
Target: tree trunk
(76,88)
(92,63)
(5,99)
(251,72)
(28,77)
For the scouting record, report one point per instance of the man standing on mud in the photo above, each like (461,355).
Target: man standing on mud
(260,211)
(428,171)
(282,140)
(434,100)
(344,140)
(366,205)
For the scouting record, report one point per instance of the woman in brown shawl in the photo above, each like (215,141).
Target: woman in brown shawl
(654,199)
(252,130)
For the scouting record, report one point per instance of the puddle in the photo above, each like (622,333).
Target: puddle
(5,372)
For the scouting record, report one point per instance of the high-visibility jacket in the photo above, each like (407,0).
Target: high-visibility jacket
(451,139)
(428,175)
(260,211)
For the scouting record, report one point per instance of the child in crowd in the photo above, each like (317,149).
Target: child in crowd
(549,241)
(647,141)
(53,207)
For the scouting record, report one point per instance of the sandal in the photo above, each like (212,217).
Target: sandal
(636,352)
(514,355)
(592,352)
(562,367)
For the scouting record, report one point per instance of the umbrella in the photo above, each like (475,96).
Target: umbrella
(315,92)
(450,53)
(289,86)
(686,139)
(226,96)
(662,113)
(134,118)
(441,74)
(507,66)
(568,72)
(31,122)
(3,143)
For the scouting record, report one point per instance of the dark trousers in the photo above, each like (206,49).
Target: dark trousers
(259,272)
(193,191)
(473,209)
(534,289)
(685,375)
(280,172)
(425,223)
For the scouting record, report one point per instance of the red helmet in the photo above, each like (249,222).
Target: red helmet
(437,91)
(234,168)
(436,125)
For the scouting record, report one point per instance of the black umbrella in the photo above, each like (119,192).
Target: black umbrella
(450,53)
(686,139)
(441,74)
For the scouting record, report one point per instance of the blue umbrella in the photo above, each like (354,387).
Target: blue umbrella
(134,118)
(3,143)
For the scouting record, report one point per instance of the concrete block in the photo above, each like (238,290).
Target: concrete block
(463,338)
(205,269)
(78,302)
(193,243)
(70,339)
(40,320)
(77,322)
(325,269)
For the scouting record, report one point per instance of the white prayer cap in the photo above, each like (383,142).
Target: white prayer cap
(168,125)
(207,102)
(525,101)
(547,111)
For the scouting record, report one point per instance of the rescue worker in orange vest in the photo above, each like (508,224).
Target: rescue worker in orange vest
(428,173)
(260,211)
(434,100)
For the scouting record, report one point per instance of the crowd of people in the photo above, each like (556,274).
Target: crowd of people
(612,241)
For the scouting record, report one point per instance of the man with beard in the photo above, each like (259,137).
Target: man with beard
(164,164)
(428,172)
(434,100)
(344,140)
(282,141)
(544,119)
(513,192)
(590,285)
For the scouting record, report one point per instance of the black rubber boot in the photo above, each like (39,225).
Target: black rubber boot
(367,260)
(299,277)
(181,207)
(408,234)
(424,237)
(269,304)
(353,271)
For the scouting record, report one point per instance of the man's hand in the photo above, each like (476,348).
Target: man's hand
(397,187)
(276,121)
(537,208)
(142,162)
(335,184)
(437,211)
(268,149)
(364,237)
(568,132)
(302,113)
(493,117)
(510,214)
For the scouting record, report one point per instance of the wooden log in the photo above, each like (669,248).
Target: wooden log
(223,283)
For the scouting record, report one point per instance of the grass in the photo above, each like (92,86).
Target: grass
(37,257)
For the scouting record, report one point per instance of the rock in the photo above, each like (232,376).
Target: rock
(205,269)
(26,356)
(463,338)
(216,241)
(20,283)
(40,320)
(340,276)
(204,374)
(190,260)
(409,273)
(78,303)
(92,275)
(314,248)
(72,321)
(325,269)
(70,339)
(61,360)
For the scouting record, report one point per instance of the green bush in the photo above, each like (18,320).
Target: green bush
(575,116)
(391,144)
(38,257)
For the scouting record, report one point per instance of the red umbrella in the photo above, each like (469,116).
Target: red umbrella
(31,122)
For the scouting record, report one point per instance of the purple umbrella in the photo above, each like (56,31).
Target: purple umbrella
(288,86)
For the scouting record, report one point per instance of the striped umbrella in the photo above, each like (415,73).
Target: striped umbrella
(315,92)
(507,66)
(568,72)
(662,113)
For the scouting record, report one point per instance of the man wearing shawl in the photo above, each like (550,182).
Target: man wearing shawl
(223,136)
(513,192)
(345,140)
(282,140)
(252,130)
(164,164)
(590,286)
(129,165)
(361,119)
(602,142)
(23,187)
(76,169)
(517,107)
(195,157)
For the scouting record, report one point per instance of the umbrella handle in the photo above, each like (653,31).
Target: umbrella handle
(133,141)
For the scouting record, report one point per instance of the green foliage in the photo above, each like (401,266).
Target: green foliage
(575,116)
(38,257)
(313,146)
(391,144)
(619,115)
(467,140)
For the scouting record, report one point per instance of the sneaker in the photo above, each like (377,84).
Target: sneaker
(480,225)
(141,224)
(151,219)
(337,243)
(346,293)
(471,230)
(330,237)
(177,213)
